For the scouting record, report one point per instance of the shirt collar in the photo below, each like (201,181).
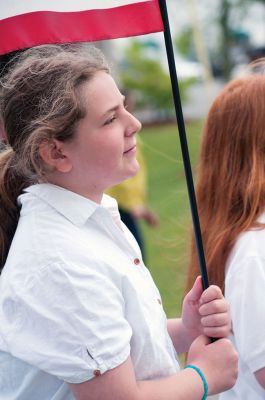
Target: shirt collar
(76,208)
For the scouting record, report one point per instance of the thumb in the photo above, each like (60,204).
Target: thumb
(197,348)
(202,340)
(196,291)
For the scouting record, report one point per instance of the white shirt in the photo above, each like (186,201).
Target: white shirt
(245,291)
(75,299)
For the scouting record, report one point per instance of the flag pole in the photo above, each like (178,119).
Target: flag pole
(183,142)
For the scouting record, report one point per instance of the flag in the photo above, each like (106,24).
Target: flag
(30,23)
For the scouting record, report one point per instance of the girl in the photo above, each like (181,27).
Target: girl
(80,316)
(231,202)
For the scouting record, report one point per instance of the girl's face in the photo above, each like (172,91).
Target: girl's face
(103,151)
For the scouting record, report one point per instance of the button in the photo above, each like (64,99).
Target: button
(136,261)
(159,301)
(97,372)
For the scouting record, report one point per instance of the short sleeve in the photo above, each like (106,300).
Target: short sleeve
(245,283)
(69,321)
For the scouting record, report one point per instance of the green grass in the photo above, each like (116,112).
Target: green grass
(167,245)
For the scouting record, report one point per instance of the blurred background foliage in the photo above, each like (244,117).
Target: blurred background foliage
(147,77)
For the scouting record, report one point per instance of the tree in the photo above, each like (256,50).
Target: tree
(145,75)
(184,42)
(230,15)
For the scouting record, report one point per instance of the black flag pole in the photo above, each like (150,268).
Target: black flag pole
(183,143)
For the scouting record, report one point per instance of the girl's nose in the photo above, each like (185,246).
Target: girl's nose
(134,125)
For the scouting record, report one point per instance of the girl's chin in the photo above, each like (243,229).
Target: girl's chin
(130,174)
(135,169)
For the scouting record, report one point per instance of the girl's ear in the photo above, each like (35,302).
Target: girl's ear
(52,153)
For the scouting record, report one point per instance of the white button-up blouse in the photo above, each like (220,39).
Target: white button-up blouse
(76,299)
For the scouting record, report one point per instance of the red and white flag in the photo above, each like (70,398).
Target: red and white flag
(27,23)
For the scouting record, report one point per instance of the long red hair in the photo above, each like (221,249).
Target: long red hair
(230,187)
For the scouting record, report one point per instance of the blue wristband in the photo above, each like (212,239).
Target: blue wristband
(205,385)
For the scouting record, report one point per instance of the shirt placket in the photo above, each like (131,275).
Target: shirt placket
(119,237)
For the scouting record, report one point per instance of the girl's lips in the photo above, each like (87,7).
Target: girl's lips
(131,150)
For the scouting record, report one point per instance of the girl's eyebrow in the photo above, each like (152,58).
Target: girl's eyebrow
(115,108)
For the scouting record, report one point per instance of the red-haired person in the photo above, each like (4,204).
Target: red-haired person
(231,203)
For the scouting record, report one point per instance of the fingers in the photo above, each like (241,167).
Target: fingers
(207,310)
(213,292)
(151,217)
(204,296)
(214,310)
(214,307)
(195,294)
(213,302)
(214,320)
(217,332)
(218,361)
(216,324)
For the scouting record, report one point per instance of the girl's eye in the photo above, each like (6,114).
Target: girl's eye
(110,120)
